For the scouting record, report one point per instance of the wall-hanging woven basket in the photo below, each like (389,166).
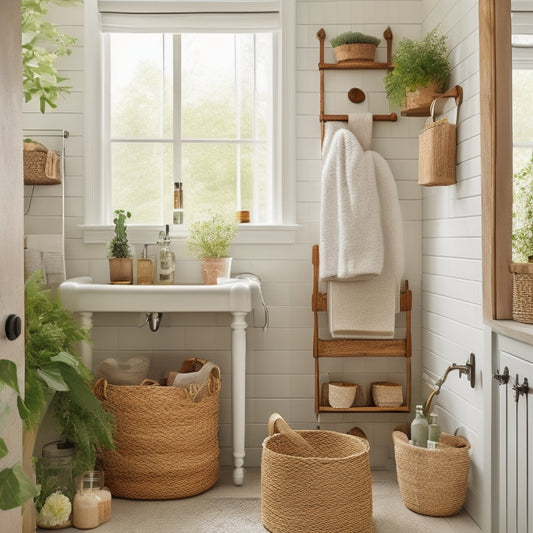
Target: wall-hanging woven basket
(328,490)
(41,167)
(432,482)
(522,292)
(166,443)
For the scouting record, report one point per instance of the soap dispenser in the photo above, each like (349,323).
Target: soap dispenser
(167,260)
(145,269)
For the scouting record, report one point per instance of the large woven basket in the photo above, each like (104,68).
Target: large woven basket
(522,292)
(432,482)
(166,444)
(35,169)
(328,490)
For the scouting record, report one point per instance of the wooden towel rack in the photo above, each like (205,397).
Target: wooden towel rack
(359,347)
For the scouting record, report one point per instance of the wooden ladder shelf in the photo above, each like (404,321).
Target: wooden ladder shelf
(359,347)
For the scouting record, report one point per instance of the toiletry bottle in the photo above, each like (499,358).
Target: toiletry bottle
(419,428)
(178,203)
(167,260)
(145,269)
(434,432)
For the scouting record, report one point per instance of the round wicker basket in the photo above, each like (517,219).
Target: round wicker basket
(387,394)
(341,394)
(432,482)
(355,52)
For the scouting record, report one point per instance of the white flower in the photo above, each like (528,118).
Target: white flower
(55,511)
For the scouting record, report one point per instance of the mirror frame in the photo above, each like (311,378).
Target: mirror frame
(496,156)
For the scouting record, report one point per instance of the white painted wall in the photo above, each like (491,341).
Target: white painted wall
(441,226)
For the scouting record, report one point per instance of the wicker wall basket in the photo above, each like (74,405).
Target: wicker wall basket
(35,169)
(522,292)
(166,443)
(328,490)
(432,482)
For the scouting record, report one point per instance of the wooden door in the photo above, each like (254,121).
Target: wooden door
(11,231)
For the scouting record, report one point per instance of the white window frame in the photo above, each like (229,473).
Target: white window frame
(97,226)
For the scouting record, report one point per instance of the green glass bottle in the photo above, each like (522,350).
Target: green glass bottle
(419,428)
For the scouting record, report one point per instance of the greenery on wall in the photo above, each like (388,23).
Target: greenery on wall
(42,44)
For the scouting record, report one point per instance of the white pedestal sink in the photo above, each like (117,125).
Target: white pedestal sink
(83,296)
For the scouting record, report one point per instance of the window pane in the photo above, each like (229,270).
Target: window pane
(141,85)
(142,181)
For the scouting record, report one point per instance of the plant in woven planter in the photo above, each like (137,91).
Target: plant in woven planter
(119,250)
(209,239)
(354,46)
(522,267)
(420,67)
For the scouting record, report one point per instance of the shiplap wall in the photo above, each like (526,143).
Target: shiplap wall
(445,246)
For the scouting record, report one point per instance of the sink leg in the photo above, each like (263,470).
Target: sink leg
(238,373)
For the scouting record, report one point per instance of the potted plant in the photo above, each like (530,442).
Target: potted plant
(421,70)
(354,46)
(57,380)
(209,239)
(522,266)
(119,251)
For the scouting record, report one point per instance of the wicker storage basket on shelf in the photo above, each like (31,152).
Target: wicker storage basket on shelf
(522,292)
(387,394)
(321,485)
(34,161)
(432,482)
(166,444)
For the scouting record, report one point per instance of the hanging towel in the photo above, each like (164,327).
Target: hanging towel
(363,309)
(52,169)
(360,124)
(351,238)
(331,127)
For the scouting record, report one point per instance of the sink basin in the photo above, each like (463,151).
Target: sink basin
(82,294)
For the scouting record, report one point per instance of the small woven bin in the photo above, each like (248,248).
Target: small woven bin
(166,444)
(323,485)
(385,394)
(432,482)
(35,169)
(522,292)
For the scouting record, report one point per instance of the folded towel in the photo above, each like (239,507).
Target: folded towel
(351,238)
(360,124)
(52,168)
(363,309)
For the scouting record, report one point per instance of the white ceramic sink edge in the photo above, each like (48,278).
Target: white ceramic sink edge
(82,294)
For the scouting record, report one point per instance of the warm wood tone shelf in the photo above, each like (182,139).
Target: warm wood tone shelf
(455,92)
(359,348)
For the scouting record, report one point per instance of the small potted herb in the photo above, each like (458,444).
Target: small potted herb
(119,251)
(421,70)
(354,46)
(209,240)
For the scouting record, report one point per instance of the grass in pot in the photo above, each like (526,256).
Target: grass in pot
(354,46)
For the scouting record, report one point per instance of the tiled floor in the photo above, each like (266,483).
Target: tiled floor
(390,514)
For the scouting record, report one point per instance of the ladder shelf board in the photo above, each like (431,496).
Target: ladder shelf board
(362,348)
(364,409)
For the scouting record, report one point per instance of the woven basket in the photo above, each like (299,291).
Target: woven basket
(341,394)
(432,482)
(355,52)
(166,444)
(387,394)
(522,292)
(35,169)
(329,491)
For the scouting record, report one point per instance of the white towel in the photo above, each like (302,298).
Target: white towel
(360,124)
(363,309)
(351,238)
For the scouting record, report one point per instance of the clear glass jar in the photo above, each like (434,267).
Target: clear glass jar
(54,504)
(92,502)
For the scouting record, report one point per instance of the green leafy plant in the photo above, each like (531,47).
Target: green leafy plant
(15,487)
(417,64)
(42,44)
(55,375)
(353,37)
(119,246)
(523,214)
(211,236)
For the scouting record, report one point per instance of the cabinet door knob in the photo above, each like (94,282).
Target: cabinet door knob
(13,327)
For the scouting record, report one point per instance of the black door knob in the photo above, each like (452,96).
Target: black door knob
(13,327)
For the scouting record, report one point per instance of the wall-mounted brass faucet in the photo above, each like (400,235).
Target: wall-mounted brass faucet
(469,369)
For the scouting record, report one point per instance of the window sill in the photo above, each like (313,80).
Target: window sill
(248,233)
(514,330)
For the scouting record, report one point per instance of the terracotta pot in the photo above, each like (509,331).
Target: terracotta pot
(121,270)
(214,268)
(421,98)
(355,52)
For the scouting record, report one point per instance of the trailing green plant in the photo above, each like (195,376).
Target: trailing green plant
(523,213)
(15,487)
(53,371)
(42,44)
(417,64)
(119,246)
(211,236)
(353,37)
